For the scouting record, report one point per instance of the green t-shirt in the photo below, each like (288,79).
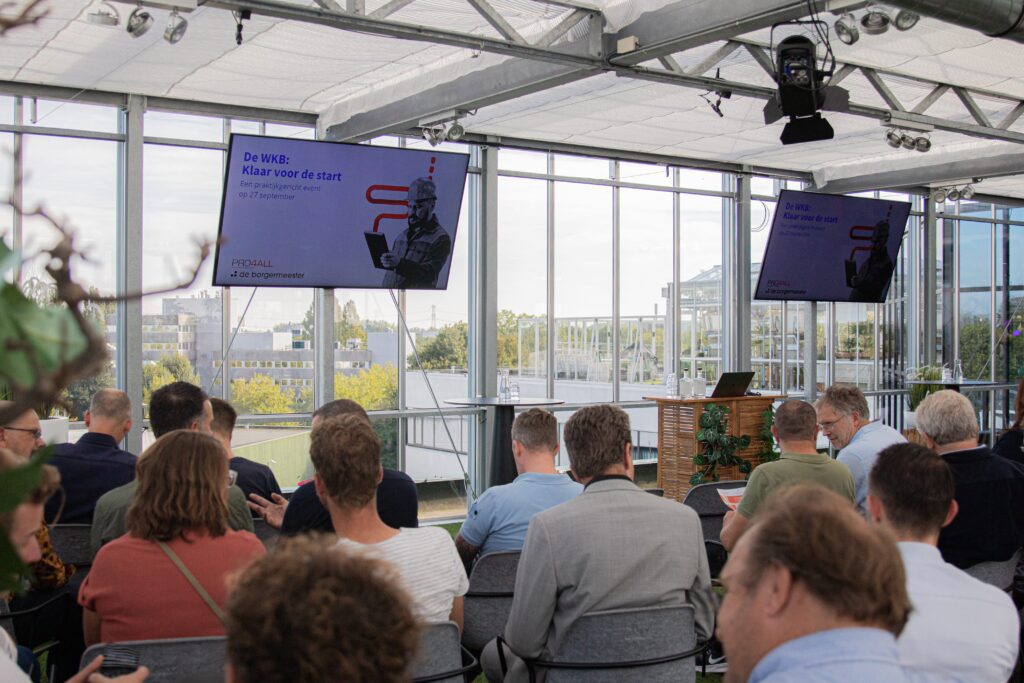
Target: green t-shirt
(108,521)
(793,468)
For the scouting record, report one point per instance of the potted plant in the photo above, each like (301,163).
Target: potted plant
(918,392)
(719,447)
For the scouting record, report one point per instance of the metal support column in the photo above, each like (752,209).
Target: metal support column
(400,363)
(929,264)
(674,305)
(616,280)
(549,345)
(129,262)
(483,322)
(17,187)
(736,284)
(811,352)
(323,347)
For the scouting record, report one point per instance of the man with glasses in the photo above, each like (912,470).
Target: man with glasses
(846,422)
(420,252)
(796,430)
(22,434)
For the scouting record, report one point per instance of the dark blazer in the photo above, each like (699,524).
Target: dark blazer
(1011,445)
(397,505)
(990,494)
(88,469)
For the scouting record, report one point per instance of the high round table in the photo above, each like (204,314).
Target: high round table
(501,467)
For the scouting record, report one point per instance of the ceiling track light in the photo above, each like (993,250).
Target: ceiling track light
(939,195)
(139,22)
(875,21)
(176,27)
(846,28)
(455,132)
(906,20)
(104,15)
(897,138)
(953,194)
(893,138)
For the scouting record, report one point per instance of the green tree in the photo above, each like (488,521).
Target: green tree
(180,367)
(375,388)
(154,376)
(346,323)
(304,401)
(450,348)
(259,396)
(79,394)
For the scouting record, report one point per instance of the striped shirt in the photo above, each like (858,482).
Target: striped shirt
(429,565)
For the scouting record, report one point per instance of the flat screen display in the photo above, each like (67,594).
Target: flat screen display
(299,213)
(825,247)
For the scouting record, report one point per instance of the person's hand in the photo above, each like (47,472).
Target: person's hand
(89,675)
(388,260)
(728,517)
(272,511)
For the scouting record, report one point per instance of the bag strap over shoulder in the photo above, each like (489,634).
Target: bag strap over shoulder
(210,602)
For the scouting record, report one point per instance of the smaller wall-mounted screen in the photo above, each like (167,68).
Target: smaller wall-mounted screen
(825,247)
(298,213)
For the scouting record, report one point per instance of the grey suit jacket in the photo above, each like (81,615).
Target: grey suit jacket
(613,547)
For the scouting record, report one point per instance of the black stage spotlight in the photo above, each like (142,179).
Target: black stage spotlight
(802,94)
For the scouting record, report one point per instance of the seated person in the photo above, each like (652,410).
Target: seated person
(796,429)
(95,463)
(614,546)
(1011,442)
(253,477)
(397,499)
(178,405)
(989,526)
(815,594)
(959,625)
(346,454)
(20,526)
(165,578)
(498,519)
(309,612)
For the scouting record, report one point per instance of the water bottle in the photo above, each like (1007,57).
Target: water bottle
(700,385)
(671,386)
(958,371)
(685,385)
(503,389)
(947,374)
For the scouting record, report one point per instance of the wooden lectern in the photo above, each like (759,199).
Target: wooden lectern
(678,424)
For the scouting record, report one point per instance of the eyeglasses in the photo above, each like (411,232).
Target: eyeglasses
(36,433)
(832,423)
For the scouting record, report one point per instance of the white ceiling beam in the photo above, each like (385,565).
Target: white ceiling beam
(388,8)
(495,19)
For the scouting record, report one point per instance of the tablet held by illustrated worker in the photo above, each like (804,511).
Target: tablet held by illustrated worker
(420,252)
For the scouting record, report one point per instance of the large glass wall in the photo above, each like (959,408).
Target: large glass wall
(609,275)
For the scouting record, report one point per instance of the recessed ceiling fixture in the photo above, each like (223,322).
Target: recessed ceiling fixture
(875,21)
(104,15)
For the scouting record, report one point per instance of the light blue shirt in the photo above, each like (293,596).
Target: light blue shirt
(498,519)
(844,655)
(862,451)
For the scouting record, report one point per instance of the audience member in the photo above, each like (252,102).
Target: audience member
(175,406)
(813,594)
(796,430)
(253,477)
(1011,443)
(309,612)
(989,490)
(95,463)
(845,420)
(346,454)
(165,578)
(498,519)
(612,547)
(959,625)
(17,663)
(397,499)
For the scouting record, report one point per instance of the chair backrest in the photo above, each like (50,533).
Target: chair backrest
(439,657)
(72,543)
(629,635)
(175,660)
(708,504)
(489,599)
(267,534)
(998,574)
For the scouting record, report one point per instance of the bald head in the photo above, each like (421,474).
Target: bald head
(110,413)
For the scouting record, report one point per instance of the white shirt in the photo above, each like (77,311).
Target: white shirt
(429,565)
(9,671)
(959,626)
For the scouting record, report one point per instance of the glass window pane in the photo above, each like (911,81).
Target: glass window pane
(73,115)
(582,167)
(692,178)
(647,174)
(522,160)
(700,289)
(583,292)
(162,124)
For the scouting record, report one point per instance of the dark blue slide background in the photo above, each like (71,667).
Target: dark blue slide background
(294,211)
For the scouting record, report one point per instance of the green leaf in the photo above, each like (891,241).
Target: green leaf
(50,331)
(16,483)
(700,460)
(745,467)
(697,478)
(8,257)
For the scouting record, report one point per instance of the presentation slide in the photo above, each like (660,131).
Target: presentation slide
(299,213)
(831,248)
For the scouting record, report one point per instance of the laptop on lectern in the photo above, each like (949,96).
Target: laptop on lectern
(732,384)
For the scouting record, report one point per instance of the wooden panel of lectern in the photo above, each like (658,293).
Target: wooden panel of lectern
(678,424)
